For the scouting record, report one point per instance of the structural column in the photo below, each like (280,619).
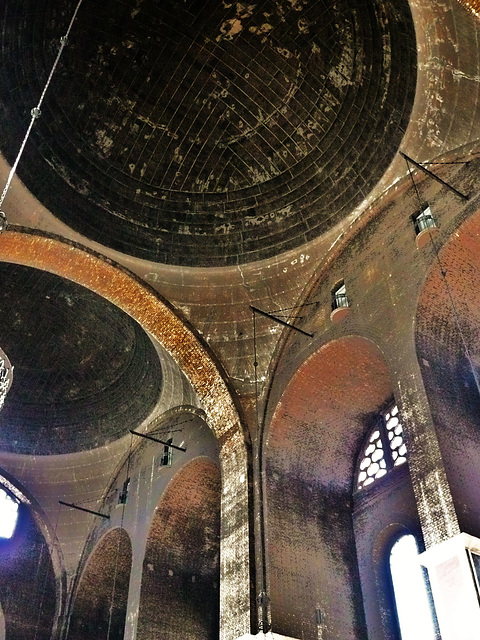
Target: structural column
(451,577)
(434,500)
(234,541)
(136,574)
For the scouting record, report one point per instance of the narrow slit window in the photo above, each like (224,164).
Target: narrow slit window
(412,603)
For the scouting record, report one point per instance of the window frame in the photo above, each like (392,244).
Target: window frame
(340,298)
(379,423)
(422,218)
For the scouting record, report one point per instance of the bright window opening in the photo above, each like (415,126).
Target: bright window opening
(383,450)
(411,597)
(8,514)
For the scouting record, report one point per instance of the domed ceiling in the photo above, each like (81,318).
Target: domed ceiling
(84,371)
(206,132)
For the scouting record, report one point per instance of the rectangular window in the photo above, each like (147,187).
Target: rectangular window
(166,459)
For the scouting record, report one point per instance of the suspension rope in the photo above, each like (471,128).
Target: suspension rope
(409,169)
(35,114)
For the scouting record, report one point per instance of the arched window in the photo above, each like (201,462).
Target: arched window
(8,514)
(412,603)
(384,449)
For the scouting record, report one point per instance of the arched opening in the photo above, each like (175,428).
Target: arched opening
(179,597)
(28,593)
(100,605)
(447,326)
(412,602)
(314,439)
(383,507)
(197,363)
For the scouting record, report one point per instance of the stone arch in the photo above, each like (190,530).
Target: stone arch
(447,324)
(314,437)
(179,597)
(155,315)
(100,601)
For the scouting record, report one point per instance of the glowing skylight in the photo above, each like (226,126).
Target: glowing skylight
(8,514)
(411,597)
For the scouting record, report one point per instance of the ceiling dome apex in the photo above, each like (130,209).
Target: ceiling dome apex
(207,133)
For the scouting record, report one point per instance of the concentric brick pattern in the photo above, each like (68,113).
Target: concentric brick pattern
(207,133)
(84,372)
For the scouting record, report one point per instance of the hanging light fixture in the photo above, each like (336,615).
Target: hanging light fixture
(6,369)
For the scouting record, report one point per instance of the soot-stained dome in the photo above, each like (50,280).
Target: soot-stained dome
(84,371)
(207,132)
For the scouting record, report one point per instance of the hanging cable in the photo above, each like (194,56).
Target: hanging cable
(409,169)
(115,573)
(35,114)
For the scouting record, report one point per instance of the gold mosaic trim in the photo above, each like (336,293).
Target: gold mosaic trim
(473,6)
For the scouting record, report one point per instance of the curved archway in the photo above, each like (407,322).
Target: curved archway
(314,437)
(124,290)
(181,574)
(100,605)
(28,588)
(155,316)
(447,325)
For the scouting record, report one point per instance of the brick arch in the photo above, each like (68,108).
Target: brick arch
(123,289)
(179,597)
(451,380)
(314,437)
(155,315)
(103,588)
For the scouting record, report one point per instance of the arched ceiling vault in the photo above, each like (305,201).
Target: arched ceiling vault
(445,115)
(60,335)
(138,301)
(207,133)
